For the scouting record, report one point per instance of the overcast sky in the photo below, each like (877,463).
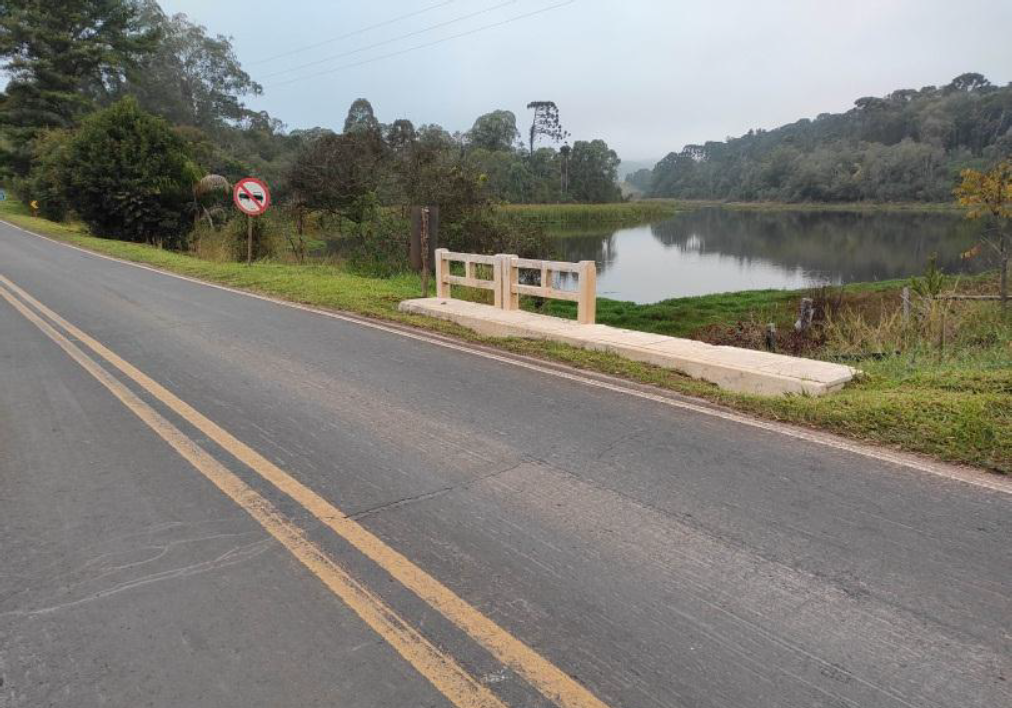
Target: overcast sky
(648,76)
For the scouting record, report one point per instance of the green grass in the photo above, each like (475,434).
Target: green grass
(686,204)
(685,316)
(590,216)
(957,407)
(682,317)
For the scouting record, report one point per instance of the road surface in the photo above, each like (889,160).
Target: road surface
(208,499)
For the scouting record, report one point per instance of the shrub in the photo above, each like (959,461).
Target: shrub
(129,176)
(46,181)
(487,230)
(228,243)
(378,244)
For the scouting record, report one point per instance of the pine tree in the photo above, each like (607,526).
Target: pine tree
(56,57)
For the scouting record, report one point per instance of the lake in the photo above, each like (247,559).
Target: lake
(715,249)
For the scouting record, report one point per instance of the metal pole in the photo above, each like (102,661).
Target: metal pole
(249,239)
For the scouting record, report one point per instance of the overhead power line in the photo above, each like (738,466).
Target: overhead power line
(355,33)
(493,25)
(385,42)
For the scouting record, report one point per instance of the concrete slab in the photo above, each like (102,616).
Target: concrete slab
(743,370)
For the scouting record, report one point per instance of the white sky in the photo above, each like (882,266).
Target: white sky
(648,76)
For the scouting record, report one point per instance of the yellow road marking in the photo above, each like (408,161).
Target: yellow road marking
(438,667)
(551,681)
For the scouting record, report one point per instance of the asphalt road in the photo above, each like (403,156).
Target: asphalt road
(278,508)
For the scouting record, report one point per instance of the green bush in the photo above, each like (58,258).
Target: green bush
(378,244)
(129,176)
(47,180)
(486,229)
(228,243)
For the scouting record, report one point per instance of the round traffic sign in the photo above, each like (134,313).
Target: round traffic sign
(251,196)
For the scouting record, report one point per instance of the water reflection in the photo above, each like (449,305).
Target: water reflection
(719,250)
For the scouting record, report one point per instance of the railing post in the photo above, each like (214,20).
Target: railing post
(498,279)
(442,287)
(511,278)
(586,312)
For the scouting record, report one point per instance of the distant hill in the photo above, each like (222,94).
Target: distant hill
(628,167)
(907,146)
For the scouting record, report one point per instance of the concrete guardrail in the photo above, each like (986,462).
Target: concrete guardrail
(506,284)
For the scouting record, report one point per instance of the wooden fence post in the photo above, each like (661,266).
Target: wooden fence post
(806,312)
(586,312)
(424,242)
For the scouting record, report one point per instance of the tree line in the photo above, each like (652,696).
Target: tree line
(910,145)
(115,110)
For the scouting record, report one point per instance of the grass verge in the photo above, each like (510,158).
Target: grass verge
(957,407)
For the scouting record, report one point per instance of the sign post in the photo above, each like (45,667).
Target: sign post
(252,198)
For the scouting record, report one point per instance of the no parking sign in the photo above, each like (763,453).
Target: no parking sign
(251,196)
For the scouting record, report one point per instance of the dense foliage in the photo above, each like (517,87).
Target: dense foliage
(55,59)
(988,196)
(128,176)
(907,146)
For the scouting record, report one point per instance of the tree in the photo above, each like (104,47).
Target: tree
(495,131)
(641,179)
(593,169)
(988,195)
(545,123)
(969,81)
(46,183)
(564,152)
(190,78)
(906,146)
(401,135)
(51,55)
(129,176)
(335,172)
(361,118)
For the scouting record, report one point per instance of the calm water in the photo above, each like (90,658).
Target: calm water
(715,250)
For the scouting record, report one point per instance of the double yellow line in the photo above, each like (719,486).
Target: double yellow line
(441,670)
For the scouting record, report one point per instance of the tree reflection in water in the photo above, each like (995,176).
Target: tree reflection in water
(714,249)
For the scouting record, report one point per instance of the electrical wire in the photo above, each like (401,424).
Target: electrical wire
(385,42)
(422,46)
(355,33)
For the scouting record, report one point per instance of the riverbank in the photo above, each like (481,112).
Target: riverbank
(563,217)
(908,207)
(955,405)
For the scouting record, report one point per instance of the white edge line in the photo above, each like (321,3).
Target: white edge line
(960,473)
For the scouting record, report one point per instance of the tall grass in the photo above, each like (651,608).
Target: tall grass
(584,216)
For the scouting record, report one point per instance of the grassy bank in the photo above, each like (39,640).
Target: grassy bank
(956,404)
(910,207)
(588,216)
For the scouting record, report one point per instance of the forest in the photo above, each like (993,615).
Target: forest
(910,145)
(113,64)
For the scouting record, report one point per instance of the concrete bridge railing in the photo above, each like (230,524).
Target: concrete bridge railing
(507,285)
(470,279)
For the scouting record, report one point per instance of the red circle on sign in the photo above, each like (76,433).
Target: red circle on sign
(251,196)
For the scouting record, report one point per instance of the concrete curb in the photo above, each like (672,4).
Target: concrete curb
(733,369)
